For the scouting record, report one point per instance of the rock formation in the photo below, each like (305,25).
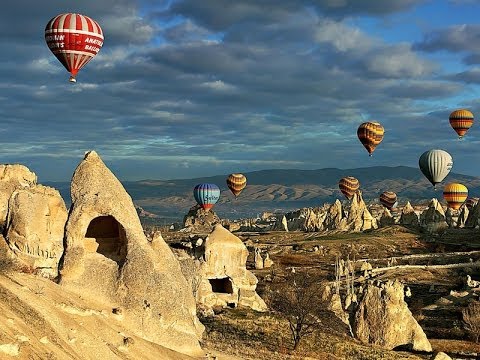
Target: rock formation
(258,259)
(408,216)
(473,220)
(451,217)
(335,218)
(386,219)
(433,218)
(383,318)
(441,356)
(225,280)
(267,262)
(462,218)
(359,218)
(13,177)
(108,258)
(34,228)
(200,220)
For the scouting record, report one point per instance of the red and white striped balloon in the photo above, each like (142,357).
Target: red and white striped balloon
(74,39)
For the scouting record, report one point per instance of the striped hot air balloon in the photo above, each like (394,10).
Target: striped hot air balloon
(471,202)
(455,195)
(370,135)
(236,183)
(388,199)
(435,165)
(206,195)
(74,39)
(461,120)
(349,186)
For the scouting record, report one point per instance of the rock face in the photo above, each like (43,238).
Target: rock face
(383,318)
(108,258)
(473,220)
(335,218)
(199,219)
(433,218)
(13,177)
(34,228)
(359,218)
(386,219)
(225,280)
(408,216)
(463,217)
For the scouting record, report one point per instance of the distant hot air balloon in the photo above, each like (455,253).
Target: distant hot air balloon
(461,120)
(435,165)
(455,195)
(388,199)
(370,135)
(471,202)
(349,186)
(236,183)
(206,195)
(74,39)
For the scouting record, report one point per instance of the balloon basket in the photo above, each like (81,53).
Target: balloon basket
(72,80)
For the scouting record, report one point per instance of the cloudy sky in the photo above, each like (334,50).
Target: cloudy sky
(194,88)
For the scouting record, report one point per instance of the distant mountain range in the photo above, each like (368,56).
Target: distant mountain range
(282,190)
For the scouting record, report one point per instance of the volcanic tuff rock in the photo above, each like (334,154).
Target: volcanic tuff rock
(462,218)
(408,216)
(451,217)
(224,278)
(34,228)
(13,177)
(335,218)
(383,318)
(108,258)
(199,219)
(359,218)
(473,220)
(433,218)
(386,219)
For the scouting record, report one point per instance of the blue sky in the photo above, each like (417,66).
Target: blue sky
(194,88)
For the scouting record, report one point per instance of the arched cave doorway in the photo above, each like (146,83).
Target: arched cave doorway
(110,237)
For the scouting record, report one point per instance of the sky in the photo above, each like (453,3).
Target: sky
(185,89)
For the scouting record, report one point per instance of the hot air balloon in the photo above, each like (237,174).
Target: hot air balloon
(471,202)
(236,183)
(461,120)
(370,135)
(455,195)
(74,39)
(435,165)
(388,199)
(349,186)
(206,195)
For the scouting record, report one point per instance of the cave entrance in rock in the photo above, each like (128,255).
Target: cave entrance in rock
(110,237)
(223,285)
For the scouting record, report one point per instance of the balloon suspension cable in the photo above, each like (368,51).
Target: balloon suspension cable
(72,80)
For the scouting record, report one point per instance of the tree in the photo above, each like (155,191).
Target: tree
(299,300)
(471,320)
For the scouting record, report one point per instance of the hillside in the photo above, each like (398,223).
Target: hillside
(270,190)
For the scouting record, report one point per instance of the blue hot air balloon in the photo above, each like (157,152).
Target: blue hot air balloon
(206,195)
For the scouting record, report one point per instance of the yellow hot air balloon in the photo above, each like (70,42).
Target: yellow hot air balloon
(370,135)
(455,195)
(349,186)
(236,183)
(461,120)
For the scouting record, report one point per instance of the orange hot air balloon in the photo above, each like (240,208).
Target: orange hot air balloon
(349,186)
(455,195)
(74,39)
(461,120)
(388,199)
(236,183)
(370,135)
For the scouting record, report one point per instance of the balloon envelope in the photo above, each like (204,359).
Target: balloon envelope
(349,186)
(455,195)
(370,135)
(206,195)
(461,120)
(236,183)
(435,165)
(388,199)
(74,39)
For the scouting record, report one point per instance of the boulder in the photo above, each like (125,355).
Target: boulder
(383,318)
(109,259)
(34,228)
(441,356)
(225,280)
(13,177)
(267,262)
(408,216)
(433,218)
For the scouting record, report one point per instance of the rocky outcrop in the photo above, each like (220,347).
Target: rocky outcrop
(359,218)
(267,262)
(258,260)
(386,219)
(433,218)
(441,356)
(108,258)
(451,217)
(224,278)
(408,216)
(473,220)
(462,218)
(34,228)
(335,218)
(13,177)
(200,220)
(383,318)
